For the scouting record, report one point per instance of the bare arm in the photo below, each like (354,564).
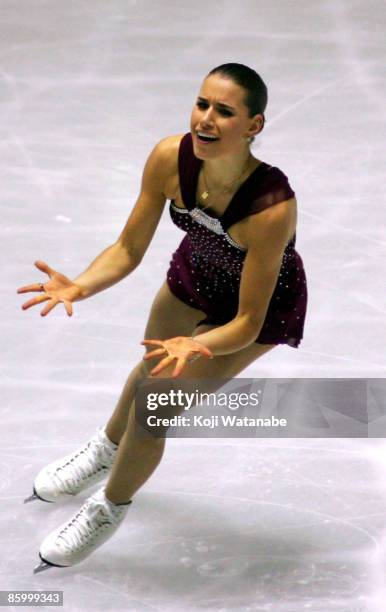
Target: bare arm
(267,235)
(121,258)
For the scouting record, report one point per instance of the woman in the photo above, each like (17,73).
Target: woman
(235,289)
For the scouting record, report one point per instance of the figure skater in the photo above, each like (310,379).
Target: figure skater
(235,289)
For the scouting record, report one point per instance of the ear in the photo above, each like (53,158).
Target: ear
(257,124)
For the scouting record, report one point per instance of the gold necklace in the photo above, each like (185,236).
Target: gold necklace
(209,193)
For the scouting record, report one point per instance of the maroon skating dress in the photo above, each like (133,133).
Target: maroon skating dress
(205,270)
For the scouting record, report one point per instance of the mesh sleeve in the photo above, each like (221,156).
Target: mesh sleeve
(273,189)
(268,189)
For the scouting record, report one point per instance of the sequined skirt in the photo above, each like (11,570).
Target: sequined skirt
(215,291)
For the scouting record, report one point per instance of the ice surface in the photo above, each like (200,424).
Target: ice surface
(87,89)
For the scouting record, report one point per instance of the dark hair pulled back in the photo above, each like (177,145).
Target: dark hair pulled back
(256,90)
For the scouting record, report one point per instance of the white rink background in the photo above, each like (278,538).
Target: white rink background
(87,89)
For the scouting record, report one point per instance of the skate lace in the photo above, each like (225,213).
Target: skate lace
(89,523)
(83,466)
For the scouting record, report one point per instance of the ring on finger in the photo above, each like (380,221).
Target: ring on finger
(41,287)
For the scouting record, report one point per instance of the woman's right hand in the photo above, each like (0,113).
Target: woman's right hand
(58,289)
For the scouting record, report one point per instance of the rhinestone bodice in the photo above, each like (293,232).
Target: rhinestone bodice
(211,258)
(205,271)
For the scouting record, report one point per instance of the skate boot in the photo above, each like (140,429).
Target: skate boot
(89,528)
(73,473)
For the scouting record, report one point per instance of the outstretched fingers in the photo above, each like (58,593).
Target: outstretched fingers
(36,300)
(68,307)
(156,352)
(37,287)
(44,267)
(164,363)
(152,342)
(54,302)
(152,354)
(180,365)
(51,304)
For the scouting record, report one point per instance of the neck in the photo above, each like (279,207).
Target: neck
(224,170)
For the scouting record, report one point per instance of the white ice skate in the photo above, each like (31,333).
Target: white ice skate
(88,529)
(71,474)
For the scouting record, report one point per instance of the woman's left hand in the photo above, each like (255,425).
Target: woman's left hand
(181,348)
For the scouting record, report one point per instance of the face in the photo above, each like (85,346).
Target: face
(220,112)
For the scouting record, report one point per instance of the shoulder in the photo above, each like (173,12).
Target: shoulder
(267,209)
(273,226)
(162,163)
(271,178)
(267,186)
(166,150)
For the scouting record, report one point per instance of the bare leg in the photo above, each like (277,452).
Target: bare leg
(138,457)
(117,424)
(168,317)
(136,460)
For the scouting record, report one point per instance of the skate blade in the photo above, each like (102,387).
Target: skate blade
(31,498)
(43,565)
(35,496)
